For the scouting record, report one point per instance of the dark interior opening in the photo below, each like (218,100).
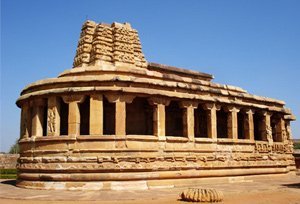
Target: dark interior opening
(139,117)
(84,109)
(30,122)
(257,120)
(200,126)
(174,119)
(45,118)
(241,125)
(64,114)
(109,112)
(222,130)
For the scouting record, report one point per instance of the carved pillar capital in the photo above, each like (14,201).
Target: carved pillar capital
(119,97)
(159,100)
(73,98)
(210,106)
(248,111)
(187,104)
(231,109)
(265,113)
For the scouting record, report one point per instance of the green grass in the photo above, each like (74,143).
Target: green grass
(296,145)
(8,173)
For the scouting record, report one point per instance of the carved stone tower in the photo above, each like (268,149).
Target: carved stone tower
(115,43)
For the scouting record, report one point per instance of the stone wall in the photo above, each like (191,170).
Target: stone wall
(8,161)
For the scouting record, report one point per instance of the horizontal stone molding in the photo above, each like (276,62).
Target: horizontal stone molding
(202,87)
(200,98)
(152,175)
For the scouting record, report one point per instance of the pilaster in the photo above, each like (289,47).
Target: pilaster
(37,118)
(25,129)
(120,100)
(232,122)
(266,127)
(211,109)
(188,119)
(159,116)
(74,114)
(96,114)
(280,130)
(249,124)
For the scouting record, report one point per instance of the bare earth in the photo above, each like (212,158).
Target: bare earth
(275,190)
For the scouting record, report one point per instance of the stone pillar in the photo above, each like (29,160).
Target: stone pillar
(159,116)
(74,114)
(211,109)
(188,119)
(96,114)
(266,127)
(120,115)
(280,130)
(249,125)
(120,100)
(120,118)
(37,118)
(25,129)
(232,122)
(53,120)
(288,135)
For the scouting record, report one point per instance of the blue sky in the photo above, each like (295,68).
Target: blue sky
(251,44)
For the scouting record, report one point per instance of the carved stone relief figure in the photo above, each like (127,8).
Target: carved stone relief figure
(51,121)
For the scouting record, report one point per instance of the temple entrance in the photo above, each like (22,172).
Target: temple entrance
(84,109)
(139,117)
(174,119)
(109,112)
(222,131)
(200,126)
(64,111)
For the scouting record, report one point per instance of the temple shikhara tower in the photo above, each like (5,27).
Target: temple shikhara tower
(115,121)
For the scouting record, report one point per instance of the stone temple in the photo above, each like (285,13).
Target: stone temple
(116,121)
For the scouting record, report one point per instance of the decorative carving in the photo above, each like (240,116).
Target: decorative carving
(269,134)
(51,121)
(84,48)
(262,147)
(202,195)
(112,43)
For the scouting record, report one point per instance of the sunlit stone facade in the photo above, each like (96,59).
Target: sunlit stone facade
(115,120)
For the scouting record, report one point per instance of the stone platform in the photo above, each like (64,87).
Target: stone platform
(249,189)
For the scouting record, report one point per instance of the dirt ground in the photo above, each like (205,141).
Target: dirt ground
(275,190)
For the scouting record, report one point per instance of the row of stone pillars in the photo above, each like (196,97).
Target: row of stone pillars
(32,117)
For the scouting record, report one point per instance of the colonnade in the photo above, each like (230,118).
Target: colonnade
(42,117)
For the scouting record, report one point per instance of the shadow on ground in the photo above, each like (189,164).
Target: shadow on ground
(292,185)
(10,182)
